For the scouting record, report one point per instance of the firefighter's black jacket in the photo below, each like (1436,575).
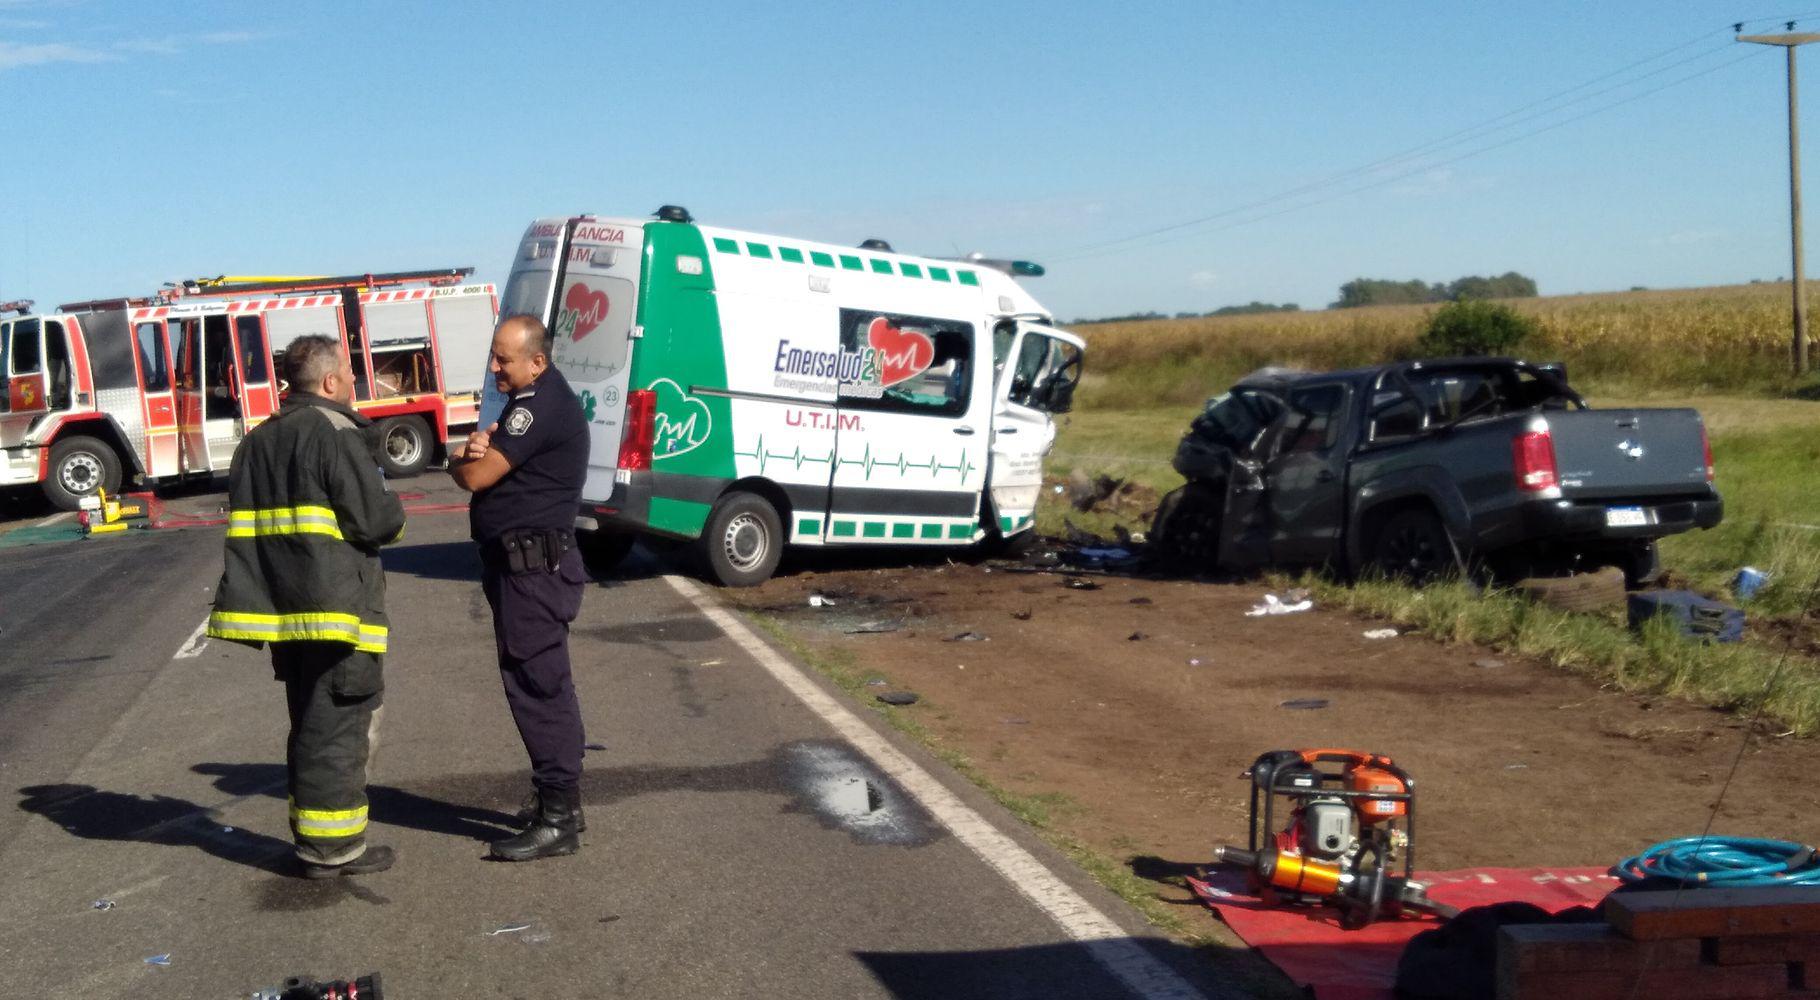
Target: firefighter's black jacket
(308,510)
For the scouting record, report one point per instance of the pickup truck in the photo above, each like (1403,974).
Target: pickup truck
(1422,468)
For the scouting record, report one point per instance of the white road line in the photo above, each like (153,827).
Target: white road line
(56,518)
(1109,944)
(194,645)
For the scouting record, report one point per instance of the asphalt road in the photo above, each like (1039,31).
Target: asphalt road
(733,848)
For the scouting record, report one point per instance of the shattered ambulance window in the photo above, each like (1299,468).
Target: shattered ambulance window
(894,362)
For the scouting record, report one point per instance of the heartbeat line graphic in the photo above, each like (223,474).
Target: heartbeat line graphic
(963,467)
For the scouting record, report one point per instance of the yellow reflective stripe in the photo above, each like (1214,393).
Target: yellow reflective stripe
(325,625)
(304,519)
(329,822)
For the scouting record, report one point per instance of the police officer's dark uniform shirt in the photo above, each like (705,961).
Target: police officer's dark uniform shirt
(544,434)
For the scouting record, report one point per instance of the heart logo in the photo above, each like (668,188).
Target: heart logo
(902,354)
(583,310)
(681,423)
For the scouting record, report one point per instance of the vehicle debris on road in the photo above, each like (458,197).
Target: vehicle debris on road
(899,697)
(1381,633)
(1274,605)
(1304,703)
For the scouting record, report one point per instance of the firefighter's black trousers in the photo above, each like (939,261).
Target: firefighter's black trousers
(531,616)
(333,692)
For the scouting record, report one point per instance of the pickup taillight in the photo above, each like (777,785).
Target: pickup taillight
(1706,446)
(1533,455)
(641,425)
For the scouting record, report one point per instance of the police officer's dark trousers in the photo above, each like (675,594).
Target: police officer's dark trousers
(531,616)
(333,692)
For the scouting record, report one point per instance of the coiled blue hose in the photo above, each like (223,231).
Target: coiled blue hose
(1725,861)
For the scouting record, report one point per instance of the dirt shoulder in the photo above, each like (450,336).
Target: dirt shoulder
(1132,707)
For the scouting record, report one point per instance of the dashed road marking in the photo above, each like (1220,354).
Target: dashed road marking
(1109,944)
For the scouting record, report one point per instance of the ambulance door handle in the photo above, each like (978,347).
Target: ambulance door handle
(1007,430)
(963,430)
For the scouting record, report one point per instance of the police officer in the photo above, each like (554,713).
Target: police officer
(307,514)
(526,473)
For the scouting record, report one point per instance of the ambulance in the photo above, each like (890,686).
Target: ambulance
(748,392)
(158,389)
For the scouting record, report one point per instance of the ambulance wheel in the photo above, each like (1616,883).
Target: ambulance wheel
(80,467)
(743,540)
(602,551)
(404,446)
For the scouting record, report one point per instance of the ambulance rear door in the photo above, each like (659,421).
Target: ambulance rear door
(595,302)
(1042,367)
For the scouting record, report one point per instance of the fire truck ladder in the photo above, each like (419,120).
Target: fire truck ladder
(262,284)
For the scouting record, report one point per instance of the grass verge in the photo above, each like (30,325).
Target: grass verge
(1736,677)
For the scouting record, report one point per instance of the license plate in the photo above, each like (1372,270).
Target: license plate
(1625,517)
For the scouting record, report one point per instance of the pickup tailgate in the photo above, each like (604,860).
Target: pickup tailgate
(1612,454)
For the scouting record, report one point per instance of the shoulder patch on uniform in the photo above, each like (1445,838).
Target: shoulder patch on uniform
(518,422)
(339,421)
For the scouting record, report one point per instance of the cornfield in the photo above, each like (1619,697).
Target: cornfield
(1730,338)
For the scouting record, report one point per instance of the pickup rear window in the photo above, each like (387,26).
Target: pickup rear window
(1425,400)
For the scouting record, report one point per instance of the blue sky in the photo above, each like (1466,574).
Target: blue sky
(151,142)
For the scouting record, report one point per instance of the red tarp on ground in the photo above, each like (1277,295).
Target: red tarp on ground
(1308,944)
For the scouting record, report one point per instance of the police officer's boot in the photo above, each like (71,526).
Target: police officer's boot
(527,814)
(555,832)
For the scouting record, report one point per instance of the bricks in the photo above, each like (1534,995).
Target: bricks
(1701,944)
(1702,913)
(1703,982)
(1799,948)
(1527,949)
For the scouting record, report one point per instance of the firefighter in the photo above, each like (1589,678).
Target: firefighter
(308,512)
(526,473)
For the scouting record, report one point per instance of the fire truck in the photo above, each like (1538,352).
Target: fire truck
(159,389)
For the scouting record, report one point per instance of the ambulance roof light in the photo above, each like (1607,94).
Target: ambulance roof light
(20,306)
(880,245)
(674,213)
(1015,268)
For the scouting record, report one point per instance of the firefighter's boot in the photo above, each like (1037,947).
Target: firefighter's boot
(376,858)
(527,814)
(556,831)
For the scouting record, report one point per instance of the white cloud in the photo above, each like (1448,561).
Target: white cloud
(1203,279)
(16,56)
(170,45)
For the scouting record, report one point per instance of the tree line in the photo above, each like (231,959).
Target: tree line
(1384,292)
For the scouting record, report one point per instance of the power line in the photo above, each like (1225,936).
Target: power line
(1470,133)
(1102,249)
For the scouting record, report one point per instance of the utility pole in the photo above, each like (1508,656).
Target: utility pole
(1791,42)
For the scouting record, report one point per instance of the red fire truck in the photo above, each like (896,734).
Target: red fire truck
(159,389)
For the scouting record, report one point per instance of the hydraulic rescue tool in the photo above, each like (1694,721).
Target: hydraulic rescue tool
(1350,839)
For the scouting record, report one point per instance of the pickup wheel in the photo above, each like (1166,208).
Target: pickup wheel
(1186,531)
(1412,545)
(80,467)
(743,540)
(404,446)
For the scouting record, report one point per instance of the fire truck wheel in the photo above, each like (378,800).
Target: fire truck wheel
(404,446)
(80,466)
(743,540)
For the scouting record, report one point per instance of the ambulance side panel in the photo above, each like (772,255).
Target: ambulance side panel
(826,346)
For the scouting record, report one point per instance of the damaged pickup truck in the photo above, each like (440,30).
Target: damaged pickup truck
(1423,468)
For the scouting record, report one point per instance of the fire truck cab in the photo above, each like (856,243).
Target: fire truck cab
(161,389)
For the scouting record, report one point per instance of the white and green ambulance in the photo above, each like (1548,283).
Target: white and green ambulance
(749,392)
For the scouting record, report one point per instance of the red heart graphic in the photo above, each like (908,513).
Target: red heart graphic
(589,306)
(902,354)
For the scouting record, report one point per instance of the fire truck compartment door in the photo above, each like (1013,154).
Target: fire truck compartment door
(22,365)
